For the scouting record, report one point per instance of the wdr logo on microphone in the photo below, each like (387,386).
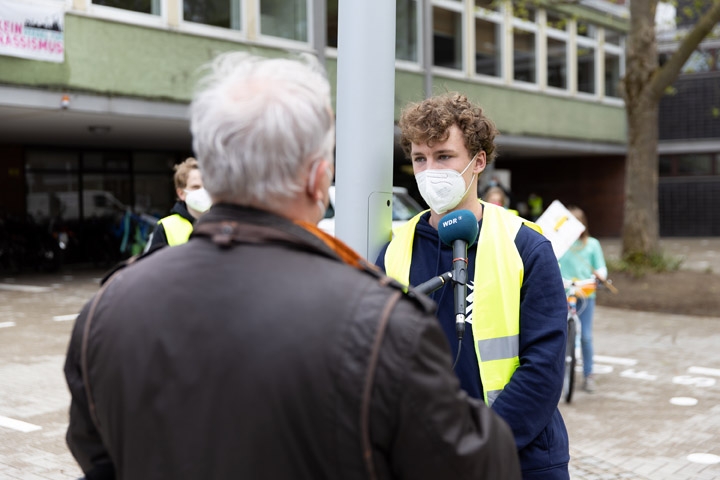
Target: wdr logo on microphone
(452,221)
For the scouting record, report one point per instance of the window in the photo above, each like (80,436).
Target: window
(612,75)
(285,19)
(488,51)
(524,42)
(557,51)
(613,37)
(698,164)
(406,30)
(489,37)
(218,13)
(447,38)
(586,68)
(142,6)
(556,63)
(332,23)
(694,164)
(488,4)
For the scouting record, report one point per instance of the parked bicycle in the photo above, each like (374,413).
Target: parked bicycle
(574,289)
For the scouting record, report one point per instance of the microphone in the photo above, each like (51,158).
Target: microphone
(459,229)
(433,284)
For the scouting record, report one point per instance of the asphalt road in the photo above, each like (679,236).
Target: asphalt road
(655,415)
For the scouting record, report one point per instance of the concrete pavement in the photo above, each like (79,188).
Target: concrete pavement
(656,414)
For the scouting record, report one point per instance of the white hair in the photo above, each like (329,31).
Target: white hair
(256,122)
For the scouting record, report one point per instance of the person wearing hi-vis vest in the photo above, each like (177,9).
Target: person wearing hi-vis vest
(175,229)
(512,351)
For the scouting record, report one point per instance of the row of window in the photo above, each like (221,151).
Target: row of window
(522,44)
(694,164)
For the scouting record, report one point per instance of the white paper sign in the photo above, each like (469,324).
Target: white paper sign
(30,31)
(560,227)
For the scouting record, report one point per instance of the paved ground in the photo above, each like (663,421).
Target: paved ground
(631,428)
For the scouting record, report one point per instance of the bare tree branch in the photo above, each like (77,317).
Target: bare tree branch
(666,75)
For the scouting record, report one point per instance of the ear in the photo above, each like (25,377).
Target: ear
(180,192)
(480,161)
(317,172)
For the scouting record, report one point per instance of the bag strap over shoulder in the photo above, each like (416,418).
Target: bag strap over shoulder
(370,379)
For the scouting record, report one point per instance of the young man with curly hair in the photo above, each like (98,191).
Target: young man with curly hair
(512,352)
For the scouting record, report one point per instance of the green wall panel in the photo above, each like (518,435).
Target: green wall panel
(519,112)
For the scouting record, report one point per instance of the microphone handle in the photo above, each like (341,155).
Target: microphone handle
(433,284)
(460,280)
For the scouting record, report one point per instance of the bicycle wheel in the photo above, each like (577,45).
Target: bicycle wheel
(570,361)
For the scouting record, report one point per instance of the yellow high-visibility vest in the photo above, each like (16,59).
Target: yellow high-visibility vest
(177,229)
(496,306)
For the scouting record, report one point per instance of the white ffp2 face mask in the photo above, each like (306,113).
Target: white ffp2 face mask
(199,200)
(443,188)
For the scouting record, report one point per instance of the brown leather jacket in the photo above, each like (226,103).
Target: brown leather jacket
(245,353)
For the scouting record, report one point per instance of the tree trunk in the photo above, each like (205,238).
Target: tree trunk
(640,223)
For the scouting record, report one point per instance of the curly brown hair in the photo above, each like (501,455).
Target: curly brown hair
(429,122)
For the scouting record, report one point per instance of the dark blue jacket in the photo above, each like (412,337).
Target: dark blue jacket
(529,402)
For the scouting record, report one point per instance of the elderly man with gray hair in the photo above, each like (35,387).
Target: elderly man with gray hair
(278,352)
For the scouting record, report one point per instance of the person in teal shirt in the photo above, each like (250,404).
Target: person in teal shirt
(583,261)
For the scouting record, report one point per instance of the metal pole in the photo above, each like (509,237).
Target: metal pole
(365,114)
(427,46)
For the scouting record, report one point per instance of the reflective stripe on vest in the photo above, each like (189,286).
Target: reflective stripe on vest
(496,296)
(177,229)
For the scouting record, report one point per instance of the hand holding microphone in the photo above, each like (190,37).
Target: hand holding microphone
(459,229)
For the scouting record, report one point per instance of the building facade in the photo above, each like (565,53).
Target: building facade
(99,104)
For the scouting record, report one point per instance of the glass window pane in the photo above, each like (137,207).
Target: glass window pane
(406,33)
(585,29)
(106,161)
(524,11)
(612,75)
(524,55)
(665,164)
(487,48)
(52,196)
(488,4)
(153,162)
(332,23)
(154,194)
(142,6)
(218,13)
(447,38)
(586,69)
(50,160)
(613,37)
(556,63)
(698,164)
(556,21)
(284,19)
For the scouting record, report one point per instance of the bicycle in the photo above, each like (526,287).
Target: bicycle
(573,290)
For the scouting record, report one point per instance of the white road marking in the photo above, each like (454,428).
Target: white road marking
(684,401)
(7,324)
(704,371)
(615,360)
(696,381)
(65,318)
(24,288)
(18,425)
(602,369)
(631,373)
(704,458)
